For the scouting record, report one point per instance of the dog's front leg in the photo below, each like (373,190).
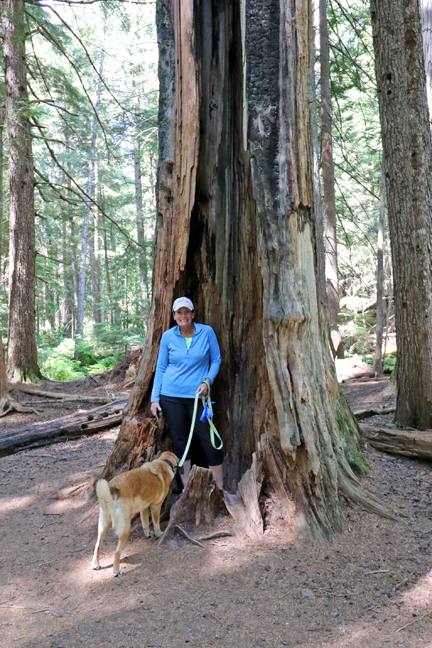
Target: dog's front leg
(103,525)
(155,513)
(144,514)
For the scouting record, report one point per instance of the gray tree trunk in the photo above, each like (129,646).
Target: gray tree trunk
(237,233)
(378,362)
(407,151)
(2,119)
(328,171)
(94,264)
(142,256)
(426,20)
(82,275)
(22,363)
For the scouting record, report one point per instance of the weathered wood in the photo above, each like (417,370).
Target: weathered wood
(249,489)
(178,151)
(66,397)
(198,505)
(408,443)
(237,218)
(68,427)
(367,413)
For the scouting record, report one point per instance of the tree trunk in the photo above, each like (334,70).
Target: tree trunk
(426,21)
(407,152)
(378,364)
(82,276)
(94,262)
(67,310)
(3,377)
(328,171)
(107,269)
(2,117)
(142,256)
(237,234)
(22,351)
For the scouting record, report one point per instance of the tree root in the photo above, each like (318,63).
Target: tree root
(13,406)
(353,490)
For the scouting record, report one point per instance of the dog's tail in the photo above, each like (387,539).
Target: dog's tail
(105,498)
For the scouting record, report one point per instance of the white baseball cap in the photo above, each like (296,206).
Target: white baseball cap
(182,301)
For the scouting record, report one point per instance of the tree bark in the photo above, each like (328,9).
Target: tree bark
(426,21)
(378,363)
(3,377)
(95,276)
(328,172)
(237,234)
(22,351)
(82,276)
(2,119)
(142,256)
(407,152)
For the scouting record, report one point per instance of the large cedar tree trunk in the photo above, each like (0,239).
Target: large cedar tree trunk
(237,234)
(407,151)
(22,363)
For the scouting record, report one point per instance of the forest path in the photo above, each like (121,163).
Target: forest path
(284,591)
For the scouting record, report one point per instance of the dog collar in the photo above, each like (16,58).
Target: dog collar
(173,468)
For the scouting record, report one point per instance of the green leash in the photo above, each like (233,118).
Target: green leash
(213,431)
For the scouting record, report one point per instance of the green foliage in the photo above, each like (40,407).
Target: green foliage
(96,354)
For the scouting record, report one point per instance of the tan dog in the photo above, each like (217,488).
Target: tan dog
(128,493)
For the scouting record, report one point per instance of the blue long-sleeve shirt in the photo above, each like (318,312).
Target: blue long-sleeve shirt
(179,370)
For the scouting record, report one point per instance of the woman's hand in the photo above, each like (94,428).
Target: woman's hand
(156,409)
(202,389)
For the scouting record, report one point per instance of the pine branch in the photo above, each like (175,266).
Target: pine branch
(53,187)
(42,76)
(81,191)
(57,45)
(90,60)
(51,258)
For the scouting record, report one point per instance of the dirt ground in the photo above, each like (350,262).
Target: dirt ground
(369,588)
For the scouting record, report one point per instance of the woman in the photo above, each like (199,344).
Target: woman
(188,362)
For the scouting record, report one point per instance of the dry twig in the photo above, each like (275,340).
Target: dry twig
(195,542)
(415,621)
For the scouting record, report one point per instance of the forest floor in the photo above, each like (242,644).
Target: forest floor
(369,588)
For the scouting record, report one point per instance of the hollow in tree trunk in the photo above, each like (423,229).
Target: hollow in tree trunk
(407,152)
(22,362)
(237,234)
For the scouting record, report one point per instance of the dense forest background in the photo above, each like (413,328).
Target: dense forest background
(93,90)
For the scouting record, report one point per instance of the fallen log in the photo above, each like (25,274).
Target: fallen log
(67,427)
(65,397)
(409,443)
(367,413)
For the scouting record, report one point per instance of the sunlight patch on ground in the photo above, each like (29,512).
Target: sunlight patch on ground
(420,594)
(14,503)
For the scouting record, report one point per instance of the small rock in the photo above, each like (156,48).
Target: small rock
(307,593)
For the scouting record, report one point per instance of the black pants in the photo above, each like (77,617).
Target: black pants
(178,413)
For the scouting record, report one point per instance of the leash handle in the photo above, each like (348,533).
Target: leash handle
(213,431)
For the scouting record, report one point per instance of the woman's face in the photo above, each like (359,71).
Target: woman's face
(183,316)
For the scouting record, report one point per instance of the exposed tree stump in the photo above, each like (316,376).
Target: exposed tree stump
(199,504)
